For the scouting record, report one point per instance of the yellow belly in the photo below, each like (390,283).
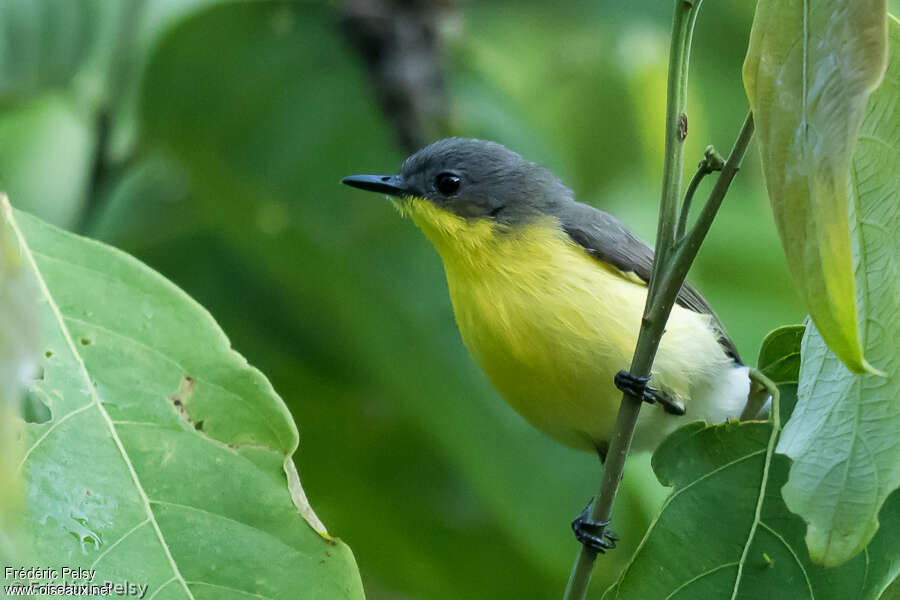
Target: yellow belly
(553,365)
(551,326)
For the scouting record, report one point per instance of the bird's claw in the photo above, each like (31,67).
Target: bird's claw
(634,385)
(637,387)
(593,534)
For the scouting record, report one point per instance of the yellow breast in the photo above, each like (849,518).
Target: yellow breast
(549,324)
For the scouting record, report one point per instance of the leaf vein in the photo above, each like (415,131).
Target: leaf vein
(780,538)
(713,472)
(700,576)
(160,588)
(232,589)
(757,516)
(180,367)
(96,401)
(118,541)
(58,422)
(227,518)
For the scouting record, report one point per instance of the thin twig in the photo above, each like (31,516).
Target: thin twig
(655,311)
(671,264)
(695,236)
(676,132)
(686,248)
(712,161)
(761,389)
(656,315)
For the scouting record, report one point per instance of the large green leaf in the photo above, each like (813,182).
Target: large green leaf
(166,460)
(725,531)
(18,351)
(843,439)
(809,70)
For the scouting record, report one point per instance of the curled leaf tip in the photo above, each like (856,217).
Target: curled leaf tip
(860,366)
(868,369)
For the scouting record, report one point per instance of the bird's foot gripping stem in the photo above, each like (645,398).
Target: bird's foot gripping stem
(637,387)
(588,532)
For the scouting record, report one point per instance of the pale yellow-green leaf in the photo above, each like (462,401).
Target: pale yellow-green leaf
(18,349)
(842,437)
(809,70)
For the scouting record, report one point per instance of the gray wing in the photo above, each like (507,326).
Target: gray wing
(605,238)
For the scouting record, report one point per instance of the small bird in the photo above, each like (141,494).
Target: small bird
(548,294)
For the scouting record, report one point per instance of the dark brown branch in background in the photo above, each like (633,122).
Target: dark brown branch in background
(400,42)
(98,179)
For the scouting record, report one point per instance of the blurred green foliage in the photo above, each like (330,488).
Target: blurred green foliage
(208,140)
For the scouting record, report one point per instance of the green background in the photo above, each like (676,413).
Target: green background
(208,140)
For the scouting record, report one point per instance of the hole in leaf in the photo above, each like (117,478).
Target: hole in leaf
(34,409)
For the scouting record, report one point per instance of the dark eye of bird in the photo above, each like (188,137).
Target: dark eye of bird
(447,183)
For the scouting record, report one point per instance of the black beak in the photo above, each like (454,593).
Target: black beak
(385,184)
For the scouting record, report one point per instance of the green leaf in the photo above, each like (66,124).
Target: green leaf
(18,349)
(729,476)
(47,134)
(843,437)
(809,70)
(167,460)
(725,532)
(779,357)
(892,592)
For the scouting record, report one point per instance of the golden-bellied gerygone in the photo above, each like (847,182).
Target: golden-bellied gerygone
(549,293)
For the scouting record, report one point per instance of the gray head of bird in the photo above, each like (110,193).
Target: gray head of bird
(475,180)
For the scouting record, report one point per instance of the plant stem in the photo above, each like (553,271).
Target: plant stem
(686,249)
(712,161)
(672,261)
(656,314)
(761,389)
(688,199)
(676,132)
(652,325)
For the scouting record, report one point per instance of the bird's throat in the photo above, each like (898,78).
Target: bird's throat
(475,247)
